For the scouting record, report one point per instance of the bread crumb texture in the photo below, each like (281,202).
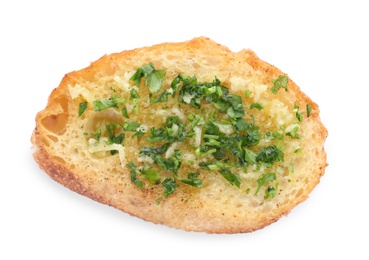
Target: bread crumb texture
(212,174)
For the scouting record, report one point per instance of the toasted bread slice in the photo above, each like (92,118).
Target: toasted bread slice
(190,135)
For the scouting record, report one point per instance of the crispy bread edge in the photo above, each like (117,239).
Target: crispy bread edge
(61,174)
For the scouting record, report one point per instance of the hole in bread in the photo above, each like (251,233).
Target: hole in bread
(55,123)
(103,118)
(59,159)
(45,141)
(267,207)
(53,138)
(254,203)
(63,101)
(195,65)
(239,205)
(298,194)
(307,180)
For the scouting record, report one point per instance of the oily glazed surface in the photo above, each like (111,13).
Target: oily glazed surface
(217,207)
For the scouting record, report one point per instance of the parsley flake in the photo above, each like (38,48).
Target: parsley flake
(308,109)
(82,107)
(169,185)
(103,104)
(154,78)
(280,82)
(263,179)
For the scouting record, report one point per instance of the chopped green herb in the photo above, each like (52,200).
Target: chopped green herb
(274,135)
(118,100)
(154,151)
(241,124)
(102,104)
(134,94)
(257,106)
(134,173)
(232,178)
(172,164)
(124,112)
(280,82)
(299,115)
(269,155)
(175,84)
(169,186)
(97,134)
(270,192)
(263,179)
(203,151)
(113,136)
(141,72)
(192,92)
(157,201)
(291,167)
(154,78)
(223,169)
(82,107)
(131,126)
(236,109)
(308,109)
(135,98)
(250,156)
(293,133)
(192,180)
(160,134)
(298,151)
(195,120)
(172,131)
(134,127)
(152,176)
(163,97)
(252,137)
(247,93)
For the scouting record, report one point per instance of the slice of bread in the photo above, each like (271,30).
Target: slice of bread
(190,135)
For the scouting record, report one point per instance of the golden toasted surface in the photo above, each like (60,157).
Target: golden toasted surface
(233,197)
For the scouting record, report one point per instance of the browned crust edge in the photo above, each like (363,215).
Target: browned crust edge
(58,172)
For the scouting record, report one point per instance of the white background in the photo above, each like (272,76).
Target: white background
(322,45)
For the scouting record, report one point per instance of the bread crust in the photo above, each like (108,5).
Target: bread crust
(187,209)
